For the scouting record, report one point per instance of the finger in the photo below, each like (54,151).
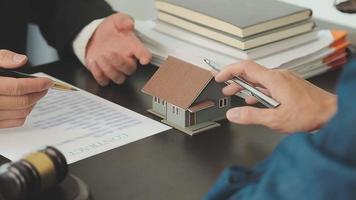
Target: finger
(141,53)
(110,71)
(123,22)
(130,66)
(264,90)
(126,65)
(251,100)
(12,123)
(97,73)
(9,59)
(20,102)
(231,89)
(22,86)
(250,115)
(249,70)
(15,114)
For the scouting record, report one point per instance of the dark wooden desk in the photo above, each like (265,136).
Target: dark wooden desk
(170,165)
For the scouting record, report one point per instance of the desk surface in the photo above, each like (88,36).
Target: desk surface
(170,165)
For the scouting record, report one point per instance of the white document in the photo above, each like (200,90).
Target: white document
(224,49)
(79,124)
(162,45)
(277,60)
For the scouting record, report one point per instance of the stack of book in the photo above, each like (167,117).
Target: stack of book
(272,33)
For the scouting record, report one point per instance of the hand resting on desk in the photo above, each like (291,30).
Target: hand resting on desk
(18,96)
(304,106)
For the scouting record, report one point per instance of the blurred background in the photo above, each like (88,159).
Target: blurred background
(39,52)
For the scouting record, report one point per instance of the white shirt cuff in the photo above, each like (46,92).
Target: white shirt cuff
(81,41)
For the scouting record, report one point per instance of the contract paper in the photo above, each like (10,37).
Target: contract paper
(79,124)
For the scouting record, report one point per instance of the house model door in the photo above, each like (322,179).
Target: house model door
(192,118)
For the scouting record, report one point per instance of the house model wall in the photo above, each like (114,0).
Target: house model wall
(186,97)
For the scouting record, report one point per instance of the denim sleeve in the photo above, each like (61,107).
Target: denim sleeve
(304,166)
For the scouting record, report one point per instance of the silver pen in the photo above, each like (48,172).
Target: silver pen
(260,96)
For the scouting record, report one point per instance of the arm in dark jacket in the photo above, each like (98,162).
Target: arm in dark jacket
(61,20)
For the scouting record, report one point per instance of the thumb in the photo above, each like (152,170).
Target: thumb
(250,115)
(9,59)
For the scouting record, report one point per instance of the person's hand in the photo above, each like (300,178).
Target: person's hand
(113,50)
(304,107)
(18,96)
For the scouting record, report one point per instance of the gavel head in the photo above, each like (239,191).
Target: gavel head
(35,173)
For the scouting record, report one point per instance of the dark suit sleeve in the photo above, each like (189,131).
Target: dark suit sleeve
(61,20)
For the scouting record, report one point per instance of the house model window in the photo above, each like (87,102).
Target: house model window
(192,101)
(159,101)
(224,102)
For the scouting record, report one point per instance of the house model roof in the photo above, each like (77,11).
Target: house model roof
(178,82)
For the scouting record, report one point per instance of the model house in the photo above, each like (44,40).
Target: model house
(186,97)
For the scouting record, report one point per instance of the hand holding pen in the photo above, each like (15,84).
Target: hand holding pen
(18,96)
(256,93)
(303,106)
(20,92)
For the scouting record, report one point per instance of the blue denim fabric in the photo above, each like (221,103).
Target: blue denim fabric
(321,166)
